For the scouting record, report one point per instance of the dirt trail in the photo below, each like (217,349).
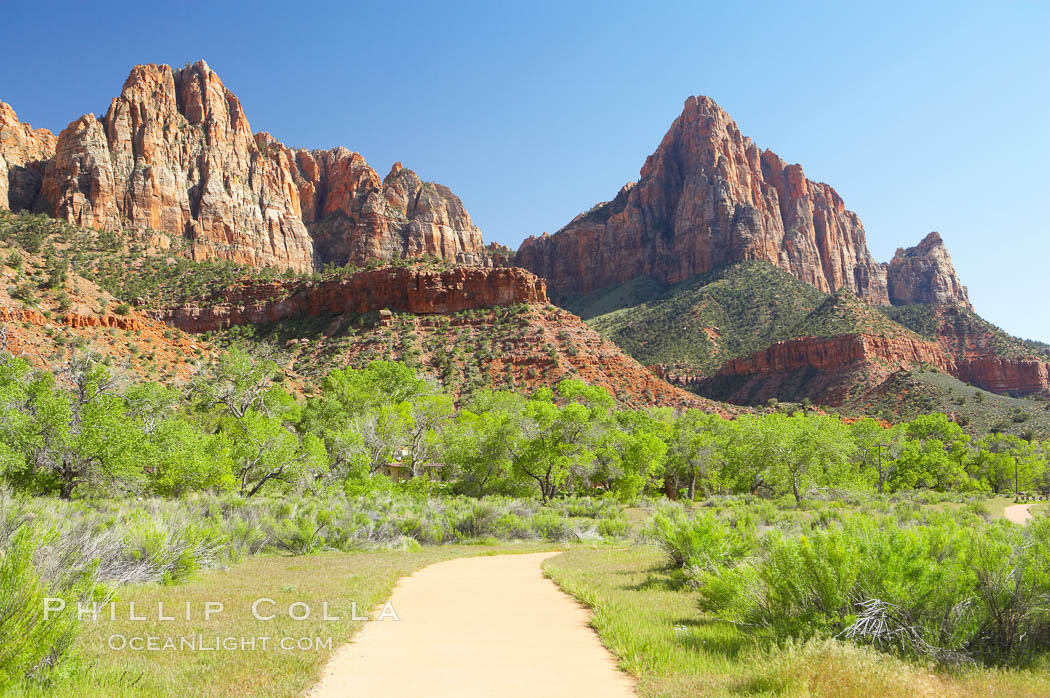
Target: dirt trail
(1018,513)
(479,626)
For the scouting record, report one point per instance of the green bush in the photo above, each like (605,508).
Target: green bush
(700,542)
(952,587)
(31,645)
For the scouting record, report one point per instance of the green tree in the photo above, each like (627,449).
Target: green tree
(264,450)
(478,447)
(555,439)
(236,383)
(792,453)
(932,456)
(69,436)
(186,459)
(696,451)
(876,448)
(426,415)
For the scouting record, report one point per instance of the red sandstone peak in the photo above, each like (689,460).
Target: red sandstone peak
(705,198)
(925,274)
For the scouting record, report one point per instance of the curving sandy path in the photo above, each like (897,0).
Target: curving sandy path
(479,626)
(1018,513)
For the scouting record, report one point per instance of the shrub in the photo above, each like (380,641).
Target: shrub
(702,542)
(952,588)
(31,645)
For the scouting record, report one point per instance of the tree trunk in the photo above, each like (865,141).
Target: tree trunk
(692,488)
(671,487)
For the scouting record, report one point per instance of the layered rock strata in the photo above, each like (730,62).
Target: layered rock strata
(24,153)
(925,274)
(409,290)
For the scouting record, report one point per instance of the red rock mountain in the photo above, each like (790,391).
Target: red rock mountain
(925,274)
(175,153)
(709,197)
(828,368)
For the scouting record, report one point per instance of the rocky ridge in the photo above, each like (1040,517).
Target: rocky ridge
(24,153)
(522,348)
(824,362)
(925,274)
(411,290)
(175,153)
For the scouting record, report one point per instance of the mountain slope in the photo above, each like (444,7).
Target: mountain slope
(70,289)
(693,327)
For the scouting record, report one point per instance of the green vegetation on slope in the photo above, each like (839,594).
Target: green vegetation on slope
(609,300)
(127,264)
(844,313)
(699,324)
(964,330)
(907,394)
(149,268)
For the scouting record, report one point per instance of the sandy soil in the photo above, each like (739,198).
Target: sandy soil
(1018,513)
(481,626)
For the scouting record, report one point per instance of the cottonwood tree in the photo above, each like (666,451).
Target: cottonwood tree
(932,456)
(69,436)
(629,450)
(555,439)
(427,413)
(364,415)
(184,458)
(876,449)
(793,453)
(236,383)
(478,447)
(696,445)
(263,450)
(380,433)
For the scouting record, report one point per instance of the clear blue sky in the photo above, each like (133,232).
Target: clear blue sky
(923,115)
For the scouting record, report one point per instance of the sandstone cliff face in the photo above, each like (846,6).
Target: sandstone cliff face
(823,364)
(831,353)
(175,153)
(355,216)
(825,369)
(403,289)
(999,375)
(925,274)
(709,197)
(24,152)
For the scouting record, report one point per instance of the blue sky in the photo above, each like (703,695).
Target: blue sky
(923,115)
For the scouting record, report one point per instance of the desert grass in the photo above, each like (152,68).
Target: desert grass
(660,636)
